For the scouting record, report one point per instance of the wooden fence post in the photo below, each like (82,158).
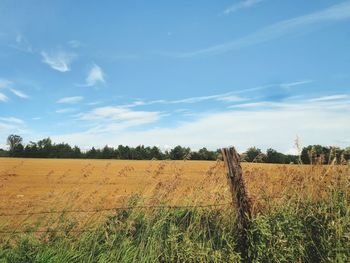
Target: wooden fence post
(239,195)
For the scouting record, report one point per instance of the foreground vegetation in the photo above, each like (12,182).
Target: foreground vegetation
(299,231)
(300,213)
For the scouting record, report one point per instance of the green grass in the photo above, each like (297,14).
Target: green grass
(298,231)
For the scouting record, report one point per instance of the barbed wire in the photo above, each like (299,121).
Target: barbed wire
(253,198)
(47,231)
(115,208)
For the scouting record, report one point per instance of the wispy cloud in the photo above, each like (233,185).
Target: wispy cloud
(109,118)
(66,110)
(116,113)
(19,93)
(93,103)
(289,85)
(228,97)
(334,13)
(8,85)
(21,44)
(273,128)
(223,97)
(330,98)
(70,100)
(3,97)
(59,60)
(241,5)
(95,76)
(333,102)
(12,120)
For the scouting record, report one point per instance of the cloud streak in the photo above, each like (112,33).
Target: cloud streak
(19,93)
(335,13)
(12,120)
(66,110)
(241,5)
(7,85)
(112,118)
(228,97)
(3,97)
(329,103)
(59,61)
(70,100)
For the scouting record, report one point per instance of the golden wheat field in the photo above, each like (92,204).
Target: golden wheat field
(30,186)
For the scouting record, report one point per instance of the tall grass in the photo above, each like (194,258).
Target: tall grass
(299,231)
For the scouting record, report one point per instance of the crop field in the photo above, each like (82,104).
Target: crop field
(35,185)
(48,195)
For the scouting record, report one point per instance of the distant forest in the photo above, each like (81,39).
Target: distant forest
(46,149)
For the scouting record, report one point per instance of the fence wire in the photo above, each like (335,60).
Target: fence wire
(114,209)
(29,214)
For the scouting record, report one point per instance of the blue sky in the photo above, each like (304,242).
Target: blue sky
(195,73)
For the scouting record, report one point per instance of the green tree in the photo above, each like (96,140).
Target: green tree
(272,156)
(107,152)
(156,153)
(179,153)
(253,154)
(15,144)
(14,140)
(346,154)
(315,154)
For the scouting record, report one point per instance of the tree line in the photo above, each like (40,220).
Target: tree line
(45,148)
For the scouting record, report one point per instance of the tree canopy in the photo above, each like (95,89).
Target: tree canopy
(45,148)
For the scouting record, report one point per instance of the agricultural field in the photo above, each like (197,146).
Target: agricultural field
(44,184)
(41,196)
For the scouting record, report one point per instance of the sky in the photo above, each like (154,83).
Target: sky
(196,73)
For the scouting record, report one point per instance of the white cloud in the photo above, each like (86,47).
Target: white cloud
(96,75)
(70,100)
(332,97)
(289,85)
(19,93)
(6,84)
(224,97)
(112,113)
(241,5)
(3,97)
(12,120)
(227,97)
(66,110)
(335,102)
(231,98)
(275,129)
(59,60)
(264,127)
(112,118)
(93,103)
(334,13)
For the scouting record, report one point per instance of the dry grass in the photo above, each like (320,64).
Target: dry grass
(34,185)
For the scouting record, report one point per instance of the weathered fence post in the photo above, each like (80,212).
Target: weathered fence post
(239,195)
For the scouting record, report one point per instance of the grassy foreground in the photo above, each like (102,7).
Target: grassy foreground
(297,231)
